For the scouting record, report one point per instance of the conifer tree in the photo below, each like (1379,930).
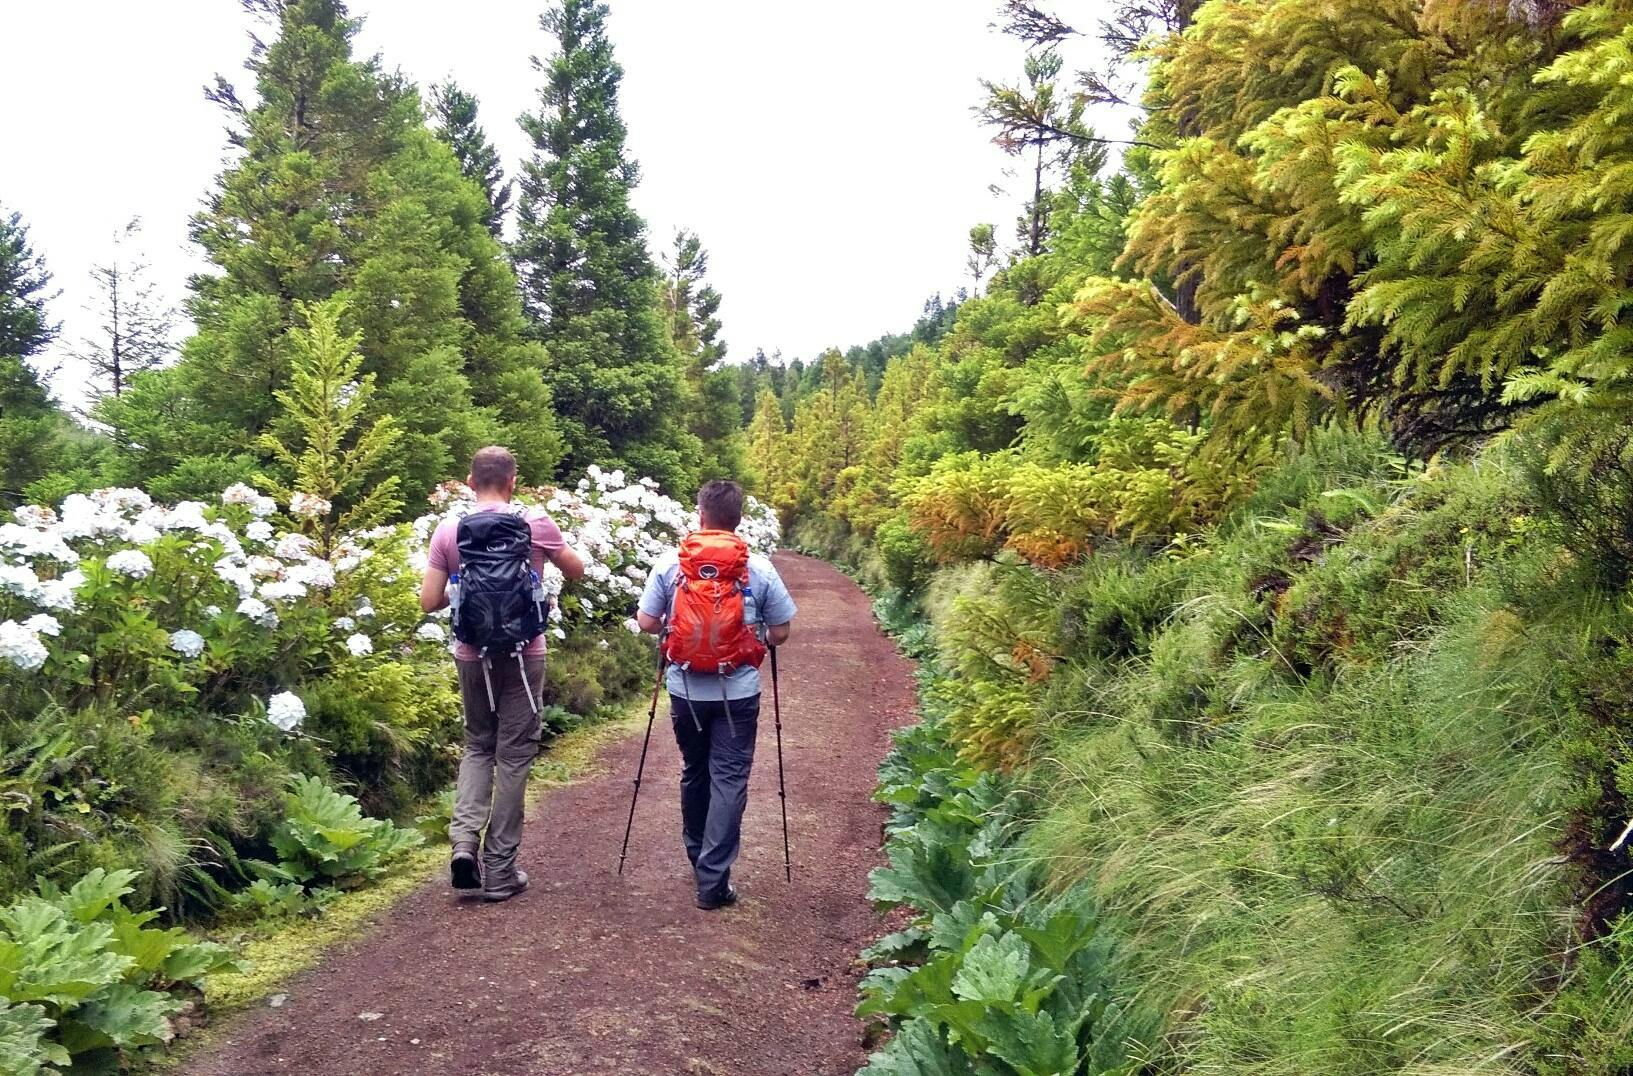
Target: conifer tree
(135,330)
(1042,122)
(322,445)
(29,421)
(454,112)
(768,451)
(339,190)
(829,430)
(587,279)
(691,308)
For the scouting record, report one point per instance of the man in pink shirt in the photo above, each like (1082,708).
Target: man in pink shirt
(501,721)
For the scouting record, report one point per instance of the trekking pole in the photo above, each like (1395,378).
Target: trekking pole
(640,769)
(782,789)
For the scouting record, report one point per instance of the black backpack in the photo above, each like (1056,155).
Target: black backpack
(501,602)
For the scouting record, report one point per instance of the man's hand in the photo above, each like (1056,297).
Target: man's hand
(777,634)
(434,590)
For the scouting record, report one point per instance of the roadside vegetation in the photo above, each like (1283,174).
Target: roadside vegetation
(1262,518)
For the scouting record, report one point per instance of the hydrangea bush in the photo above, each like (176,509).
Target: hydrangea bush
(166,669)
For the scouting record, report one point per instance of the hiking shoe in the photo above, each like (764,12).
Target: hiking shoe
(724,899)
(463,869)
(506,892)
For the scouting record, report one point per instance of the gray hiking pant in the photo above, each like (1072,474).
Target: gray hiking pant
(501,742)
(715,764)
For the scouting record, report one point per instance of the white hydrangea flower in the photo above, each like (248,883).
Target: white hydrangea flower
(36,516)
(132,563)
(558,633)
(632,626)
(21,647)
(188,515)
(55,594)
(365,609)
(43,624)
(313,573)
(139,533)
(265,567)
(19,579)
(212,611)
(187,643)
(282,590)
(285,711)
(30,543)
(431,633)
(348,555)
(258,611)
(263,507)
(345,623)
(237,575)
(240,494)
(359,644)
(306,506)
(258,530)
(293,547)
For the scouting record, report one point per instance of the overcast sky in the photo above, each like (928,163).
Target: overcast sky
(826,154)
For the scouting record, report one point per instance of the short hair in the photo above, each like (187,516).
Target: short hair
(720,502)
(492,468)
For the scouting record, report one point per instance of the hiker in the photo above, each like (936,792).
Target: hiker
(499,614)
(717,607)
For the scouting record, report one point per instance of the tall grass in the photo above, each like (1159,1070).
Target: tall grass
(1327,765)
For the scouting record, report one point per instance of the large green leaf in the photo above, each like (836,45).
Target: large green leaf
(25,1046)
(191,963)
(46,957)
(121,1015)
(1034,1045)
(94,896)
(918,1049)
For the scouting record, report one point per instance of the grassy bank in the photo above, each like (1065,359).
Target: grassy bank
(1342,774)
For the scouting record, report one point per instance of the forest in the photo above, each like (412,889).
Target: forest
(1258,512)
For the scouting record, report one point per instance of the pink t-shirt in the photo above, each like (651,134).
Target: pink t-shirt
(444,556)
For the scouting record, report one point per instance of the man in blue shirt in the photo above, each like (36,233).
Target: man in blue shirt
(716,717)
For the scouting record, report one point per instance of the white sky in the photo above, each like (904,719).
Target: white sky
(826,154)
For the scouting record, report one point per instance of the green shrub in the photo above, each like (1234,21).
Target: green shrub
(991,976)
(327,841)
(85,980)
(904,557)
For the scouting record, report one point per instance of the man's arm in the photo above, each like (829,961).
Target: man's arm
(777,608)
(654,603)
(568,560)
(434,590)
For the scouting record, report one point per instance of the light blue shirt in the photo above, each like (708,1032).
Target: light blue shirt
(767,603)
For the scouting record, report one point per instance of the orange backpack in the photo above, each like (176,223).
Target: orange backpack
(708,631)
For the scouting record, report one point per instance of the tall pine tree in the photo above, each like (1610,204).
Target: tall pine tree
(587,279)
(455,113)
(29,422)
(340,190)
(691,307)
(135,323)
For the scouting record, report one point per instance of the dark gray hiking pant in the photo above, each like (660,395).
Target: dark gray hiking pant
(500,745)
(715,764)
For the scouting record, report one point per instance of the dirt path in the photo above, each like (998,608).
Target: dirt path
(592,973)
